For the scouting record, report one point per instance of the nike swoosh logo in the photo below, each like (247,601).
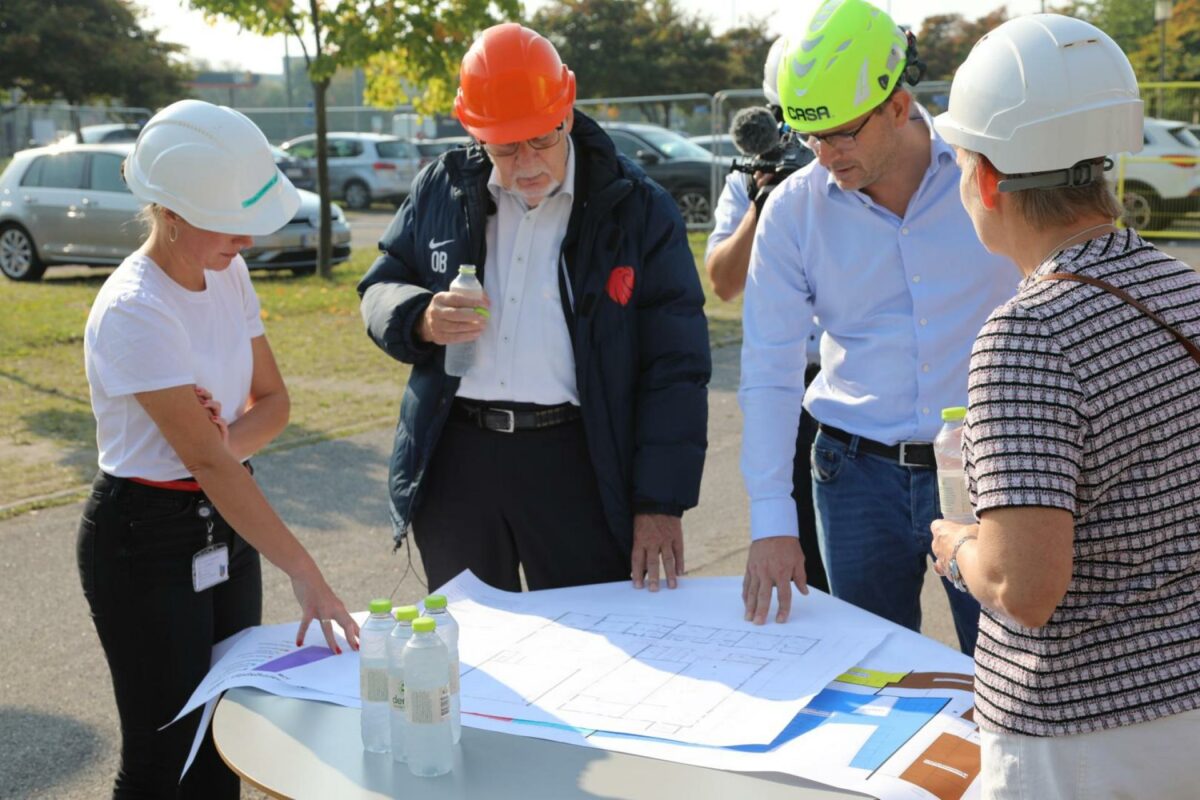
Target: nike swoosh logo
(435,245)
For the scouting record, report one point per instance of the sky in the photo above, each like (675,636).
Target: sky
(223,43)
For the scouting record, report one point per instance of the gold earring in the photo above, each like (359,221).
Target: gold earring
(172,233)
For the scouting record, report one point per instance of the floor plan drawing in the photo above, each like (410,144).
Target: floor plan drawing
(673,674)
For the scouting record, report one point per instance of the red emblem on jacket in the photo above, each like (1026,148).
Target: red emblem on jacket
(620,284)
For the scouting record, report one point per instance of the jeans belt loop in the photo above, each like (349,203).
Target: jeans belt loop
(852,447)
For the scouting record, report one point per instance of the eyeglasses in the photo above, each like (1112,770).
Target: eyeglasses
(843,140)
(543,142)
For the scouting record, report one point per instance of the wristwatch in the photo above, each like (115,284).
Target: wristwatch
(952,570)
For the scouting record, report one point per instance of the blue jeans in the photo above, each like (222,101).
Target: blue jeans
(873,520)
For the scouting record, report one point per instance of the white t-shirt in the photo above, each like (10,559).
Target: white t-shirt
(146,332)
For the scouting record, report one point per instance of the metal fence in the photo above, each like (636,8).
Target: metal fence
(1160,187)
(34,124)
(282,124)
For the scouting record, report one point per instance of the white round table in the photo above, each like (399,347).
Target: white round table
(306,749)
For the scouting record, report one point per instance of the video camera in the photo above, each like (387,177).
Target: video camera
(756,135)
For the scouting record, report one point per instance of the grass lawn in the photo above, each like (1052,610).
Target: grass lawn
(339,382)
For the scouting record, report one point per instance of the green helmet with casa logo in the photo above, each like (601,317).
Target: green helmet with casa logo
(845,62)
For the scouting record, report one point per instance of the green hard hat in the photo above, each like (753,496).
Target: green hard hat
(845,62)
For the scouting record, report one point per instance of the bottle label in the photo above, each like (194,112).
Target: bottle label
(396,692)
(454,668)
(952,494)
(373,685)
(427,706)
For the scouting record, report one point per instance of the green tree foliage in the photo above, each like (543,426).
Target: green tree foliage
(1182,48)
(413,44)
(945,40)
(626,48)
(86,50)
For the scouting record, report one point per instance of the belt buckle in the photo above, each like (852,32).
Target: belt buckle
(904,462)
(512,420)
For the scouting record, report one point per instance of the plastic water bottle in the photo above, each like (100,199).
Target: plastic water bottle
(952,480)
(373,676)
(460,356)
(428,742)
(395,651)
(447,628)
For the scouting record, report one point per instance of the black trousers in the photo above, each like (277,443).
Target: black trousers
(495,501)
(135,549)
(802,493)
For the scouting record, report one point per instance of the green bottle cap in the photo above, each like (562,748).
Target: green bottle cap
(954,414)
(435,601)
(466,269)
(380,606)
(406,613)
(424,625)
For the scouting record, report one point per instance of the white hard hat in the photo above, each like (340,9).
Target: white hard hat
(775,55)
(213,167)
(1042,93)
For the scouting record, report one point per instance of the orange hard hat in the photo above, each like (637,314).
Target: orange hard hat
(512,86)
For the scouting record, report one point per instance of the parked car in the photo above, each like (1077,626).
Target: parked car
(676,163)
(1156,192)
(432,148)
(302,174)
(68,204)
(104,134)
(721,144)
(363,167)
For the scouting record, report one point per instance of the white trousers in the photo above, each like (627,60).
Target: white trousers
(1159,760)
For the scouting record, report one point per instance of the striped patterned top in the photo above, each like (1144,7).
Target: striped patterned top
(1079,401)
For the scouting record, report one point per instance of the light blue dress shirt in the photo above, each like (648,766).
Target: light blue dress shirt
(901,301)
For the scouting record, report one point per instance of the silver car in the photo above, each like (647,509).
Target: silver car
(363,167)
(68,204)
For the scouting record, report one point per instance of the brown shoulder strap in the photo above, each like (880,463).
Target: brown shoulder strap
(1191,347)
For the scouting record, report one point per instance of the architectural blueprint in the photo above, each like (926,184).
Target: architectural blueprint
(898,726)
(658,665)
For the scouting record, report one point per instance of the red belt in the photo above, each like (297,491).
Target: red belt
(187,485)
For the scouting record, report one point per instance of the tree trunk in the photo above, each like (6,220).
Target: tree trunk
(76,122)
(325,251)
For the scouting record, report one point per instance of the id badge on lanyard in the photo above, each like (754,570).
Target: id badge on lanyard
(210,566)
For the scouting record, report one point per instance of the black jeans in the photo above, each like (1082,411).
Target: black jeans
(135,549)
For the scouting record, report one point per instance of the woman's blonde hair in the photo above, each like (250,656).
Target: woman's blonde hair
(149,216)
(1053,208)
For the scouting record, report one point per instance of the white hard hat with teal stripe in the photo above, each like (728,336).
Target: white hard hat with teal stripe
(212,166)
(844,62)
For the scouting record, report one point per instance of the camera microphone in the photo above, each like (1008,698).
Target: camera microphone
(754,131)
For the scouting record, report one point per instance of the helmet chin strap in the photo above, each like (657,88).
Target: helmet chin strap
(1081,174)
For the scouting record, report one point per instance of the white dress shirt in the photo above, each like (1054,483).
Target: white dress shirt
(525,354)
(901,301)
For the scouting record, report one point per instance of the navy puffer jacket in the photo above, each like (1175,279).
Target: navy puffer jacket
(642,366)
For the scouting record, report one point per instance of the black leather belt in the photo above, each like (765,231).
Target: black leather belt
(495,417)
(906,454)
